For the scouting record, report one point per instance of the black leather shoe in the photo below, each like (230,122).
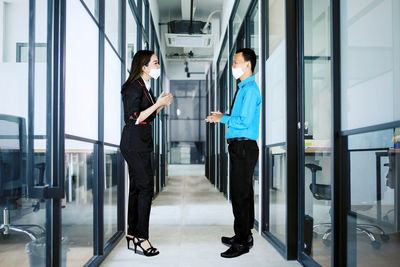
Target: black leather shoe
(235,251)
(230,240)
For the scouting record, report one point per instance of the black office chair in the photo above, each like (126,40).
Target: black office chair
(323,192)
(13,152)
(391,181)
(320,192)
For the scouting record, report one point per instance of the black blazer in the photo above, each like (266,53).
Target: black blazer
(137,98)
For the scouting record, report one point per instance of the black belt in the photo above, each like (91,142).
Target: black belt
(237,139)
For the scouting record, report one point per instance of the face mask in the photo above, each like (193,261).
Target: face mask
(155,73)
(237,72)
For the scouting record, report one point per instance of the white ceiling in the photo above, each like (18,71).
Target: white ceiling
(171,9)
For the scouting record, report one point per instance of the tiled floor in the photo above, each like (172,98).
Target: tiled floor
(187,221)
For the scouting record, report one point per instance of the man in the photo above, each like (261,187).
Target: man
(242,134)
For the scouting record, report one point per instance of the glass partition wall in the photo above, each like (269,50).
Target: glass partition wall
(62,64)
(316,153)
(329,78)
(370,126)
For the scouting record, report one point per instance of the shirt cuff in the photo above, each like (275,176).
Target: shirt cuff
(137,120)
(224,119)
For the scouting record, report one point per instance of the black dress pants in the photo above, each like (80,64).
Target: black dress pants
(243,159)
(141,189)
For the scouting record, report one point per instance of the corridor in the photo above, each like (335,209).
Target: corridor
(187,221)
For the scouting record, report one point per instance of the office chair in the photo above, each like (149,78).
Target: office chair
(320,192)
(323,192)
(13,151)
(391,180)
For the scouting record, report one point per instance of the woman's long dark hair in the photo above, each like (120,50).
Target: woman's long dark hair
(141,58)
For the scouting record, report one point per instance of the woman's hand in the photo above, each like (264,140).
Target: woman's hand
(164,99)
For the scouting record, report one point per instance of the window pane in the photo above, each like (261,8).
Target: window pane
(18,210)
(277,192)
(374,164)
(370,48)
(77,212)
(275,95)
(223,57)
(254,44)
(93,7)
(110,192)
(81,93)
(317,134)
(239,17)
(112,96)
(276,24)
(145,26)
(112,22)
(131,37)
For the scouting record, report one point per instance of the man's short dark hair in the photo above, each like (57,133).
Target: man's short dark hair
(249,55)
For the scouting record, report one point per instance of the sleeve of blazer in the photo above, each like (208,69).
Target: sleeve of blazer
(133,97)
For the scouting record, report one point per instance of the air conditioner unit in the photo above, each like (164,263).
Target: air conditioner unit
(186,33)
(189,40)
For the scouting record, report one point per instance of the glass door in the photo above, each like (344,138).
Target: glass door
(316,153)
(28,148)
(275,222)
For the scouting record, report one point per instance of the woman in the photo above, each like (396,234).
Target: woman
(140,109)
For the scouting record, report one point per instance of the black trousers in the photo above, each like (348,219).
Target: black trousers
(243,159)
(141,189)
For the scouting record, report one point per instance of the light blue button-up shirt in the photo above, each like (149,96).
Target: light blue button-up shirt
(244,120)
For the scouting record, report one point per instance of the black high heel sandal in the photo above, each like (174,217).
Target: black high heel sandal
(151,251)
(128,239)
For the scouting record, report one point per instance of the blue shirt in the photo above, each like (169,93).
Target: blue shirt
(244,120)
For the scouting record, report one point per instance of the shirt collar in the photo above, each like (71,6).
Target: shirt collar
(246,81)
(147,84)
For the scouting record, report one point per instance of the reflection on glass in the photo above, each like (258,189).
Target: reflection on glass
(276,28)
(112,96)
(373,218)
(370,93)
(223,57)
(113,22)
(275,95)
(239,17)
(131,37)
(317,131)
(22,218)
(144,22)
(370,63)
(81,93)
(277,191)
(93,6)
(77,207)
(254,39)
(110,192)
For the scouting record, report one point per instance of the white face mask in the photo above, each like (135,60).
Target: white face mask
(155,73)
(237,72)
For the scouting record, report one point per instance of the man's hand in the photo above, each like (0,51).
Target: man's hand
(214,117)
